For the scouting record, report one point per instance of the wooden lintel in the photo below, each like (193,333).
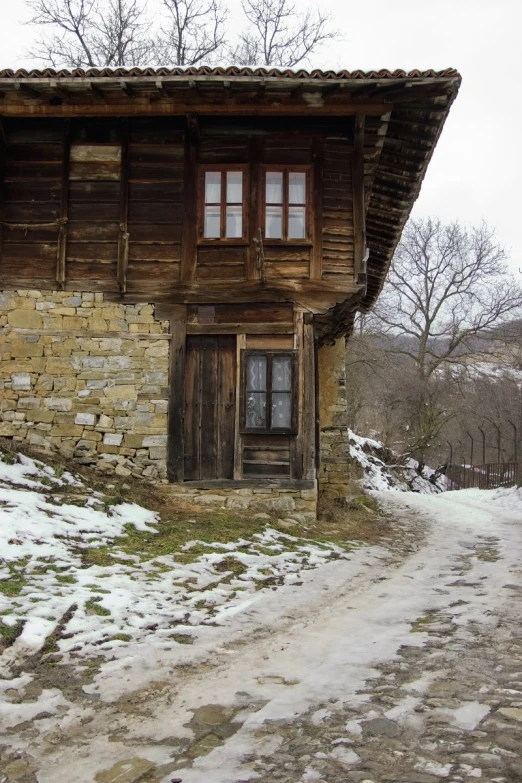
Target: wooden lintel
(359,210)
(240,328)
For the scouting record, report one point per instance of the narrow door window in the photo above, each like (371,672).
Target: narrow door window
(269,391)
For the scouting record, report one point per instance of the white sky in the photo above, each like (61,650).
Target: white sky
(477,167)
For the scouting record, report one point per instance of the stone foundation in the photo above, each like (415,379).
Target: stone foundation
(87,378)
(299,504)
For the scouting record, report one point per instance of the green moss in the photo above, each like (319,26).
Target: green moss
(67,579)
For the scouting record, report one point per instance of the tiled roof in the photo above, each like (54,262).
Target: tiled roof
(233,71)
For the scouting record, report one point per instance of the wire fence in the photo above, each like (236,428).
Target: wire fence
(489,476)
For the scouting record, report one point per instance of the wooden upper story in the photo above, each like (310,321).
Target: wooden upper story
(208,186)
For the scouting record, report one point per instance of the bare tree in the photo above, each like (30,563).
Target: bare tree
(447,293)
(278,35)
(92,33)
(447,288)
(194,33)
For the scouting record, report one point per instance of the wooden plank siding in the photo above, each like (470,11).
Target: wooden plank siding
(337,219)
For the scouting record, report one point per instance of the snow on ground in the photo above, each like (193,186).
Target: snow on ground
(44,581)
(384,469)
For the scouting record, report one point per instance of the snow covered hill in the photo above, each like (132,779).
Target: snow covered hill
(384,469)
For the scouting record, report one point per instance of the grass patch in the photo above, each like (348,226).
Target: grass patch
(230,563)
(10,633)
(92,606)
(16,581)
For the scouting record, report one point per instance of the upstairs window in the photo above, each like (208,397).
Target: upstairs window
(286,204)
(222,200)
(269,391)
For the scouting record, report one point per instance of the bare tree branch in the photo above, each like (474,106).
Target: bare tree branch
(194,32)
(92,33)
(278,35)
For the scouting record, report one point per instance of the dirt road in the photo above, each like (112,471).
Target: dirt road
(399,665)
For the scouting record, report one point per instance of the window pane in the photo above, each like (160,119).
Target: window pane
(297,188)
(234,187)
(256,373)
(212,222)
(281,410)
(274,187)
(234,222)
(282,373)
(212,187)
(274,223)
(296,222)
(256,410)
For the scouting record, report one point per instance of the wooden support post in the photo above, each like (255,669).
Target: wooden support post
(316,264)
(176,414)
(309,398)
(296,448)
(61,249)
(238,438)
(253,270)
(3,141)
(123,239)
(188,238)
(359,207)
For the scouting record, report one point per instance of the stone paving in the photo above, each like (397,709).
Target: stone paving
(450,710)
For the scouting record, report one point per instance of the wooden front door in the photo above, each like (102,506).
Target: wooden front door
(210,406)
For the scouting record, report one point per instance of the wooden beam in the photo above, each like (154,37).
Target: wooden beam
(308,394)
(188,237)
(316,261)
(60,91)
(296,444)
(238,437)
(359,210)
(172,107)
(61,251)
(239,328)
(123,239)
(256,146)
(95,90)
(176,409)
(126,88)
(27,90)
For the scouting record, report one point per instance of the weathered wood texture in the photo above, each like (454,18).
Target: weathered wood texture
(210,399)
(337,218)
(118,214)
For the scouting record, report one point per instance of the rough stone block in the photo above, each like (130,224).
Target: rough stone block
(25,319)
(87,419)
(122,392)
(112,439)
(21,381)
(58,403)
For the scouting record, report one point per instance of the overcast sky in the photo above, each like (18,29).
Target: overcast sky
(476,170)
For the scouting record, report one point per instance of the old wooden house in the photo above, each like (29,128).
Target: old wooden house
(182,253)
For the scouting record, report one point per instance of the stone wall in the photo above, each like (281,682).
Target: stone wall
(334,472)
(87,378)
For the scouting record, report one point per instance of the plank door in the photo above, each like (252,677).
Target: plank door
(210,404)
